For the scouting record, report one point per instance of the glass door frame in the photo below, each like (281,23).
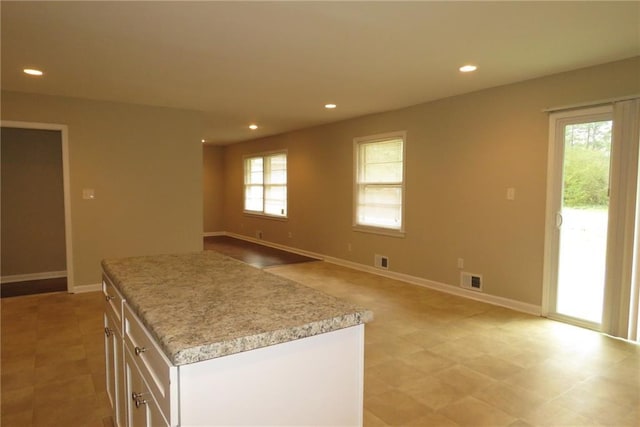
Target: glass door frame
(555,162)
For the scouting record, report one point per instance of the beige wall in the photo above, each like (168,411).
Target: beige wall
(462,155)
(145,164)
(32,202)
(213,187)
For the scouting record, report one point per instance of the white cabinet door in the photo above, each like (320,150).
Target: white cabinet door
(109,354)
(142,408)
(135,392)
(114,371)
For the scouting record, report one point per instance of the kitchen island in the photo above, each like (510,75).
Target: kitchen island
(203,339)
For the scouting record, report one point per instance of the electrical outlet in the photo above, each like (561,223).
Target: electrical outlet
(259,234)
(460,263)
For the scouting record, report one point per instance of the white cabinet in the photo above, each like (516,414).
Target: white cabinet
(292,383)
(113,351)
(147,363)
(143,410)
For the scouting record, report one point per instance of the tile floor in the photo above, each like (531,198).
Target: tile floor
(431,359)
(52,365)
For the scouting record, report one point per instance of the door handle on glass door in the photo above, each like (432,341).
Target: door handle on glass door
(559,220)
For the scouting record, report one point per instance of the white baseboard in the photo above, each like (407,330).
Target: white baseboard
(277,246)
(87,288)
(33,276)
(414,280)
(214,233)
(442,287)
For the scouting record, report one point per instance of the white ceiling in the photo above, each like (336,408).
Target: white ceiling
(278,63)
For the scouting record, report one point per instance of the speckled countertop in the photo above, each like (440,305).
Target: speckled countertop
(203,305)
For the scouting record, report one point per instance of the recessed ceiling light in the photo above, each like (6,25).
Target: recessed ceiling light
(32,72)
(253,127)
(203,141)
(330,106)
(468,68)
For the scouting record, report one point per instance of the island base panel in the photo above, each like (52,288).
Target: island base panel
(312,381)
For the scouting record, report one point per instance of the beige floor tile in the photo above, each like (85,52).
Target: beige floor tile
(432,392)
(520,423)
(492,366)
(625,372)
(553,414)
(63,370)
(549,383)
(78,412)
(374,385)
(433,420)
(46,356)
(17,400)
(375,354)
(18,345)
(396,407)
(513,400)
(463,379)
(610,390)
(370,420)
(455,350)
(13,379)
(394,372)
(600,411)
(473,412)
(63,391)
(426,362)
(16,419)
(395,347)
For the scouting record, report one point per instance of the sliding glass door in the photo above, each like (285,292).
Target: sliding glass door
(580,208)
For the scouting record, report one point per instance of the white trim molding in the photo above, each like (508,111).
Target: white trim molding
(64,140)
(33,276)
(320,257)
(533,309)
(214,233)
(81,289)
(442,287)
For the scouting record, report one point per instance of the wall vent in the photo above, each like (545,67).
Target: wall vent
(471,281)
(381,261)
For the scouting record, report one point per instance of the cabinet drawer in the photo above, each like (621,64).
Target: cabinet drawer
(113,301)
(159,374)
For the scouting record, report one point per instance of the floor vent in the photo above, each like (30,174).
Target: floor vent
(471,281)
(381,261)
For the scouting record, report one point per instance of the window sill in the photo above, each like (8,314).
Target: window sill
(265,216)
(380,231)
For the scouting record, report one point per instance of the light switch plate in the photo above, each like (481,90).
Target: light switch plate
(511,193)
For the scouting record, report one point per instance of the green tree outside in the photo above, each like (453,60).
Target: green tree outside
(586,164)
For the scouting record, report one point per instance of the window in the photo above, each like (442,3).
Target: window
(265,184)
(379,183)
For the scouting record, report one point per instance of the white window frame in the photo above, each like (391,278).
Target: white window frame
(264,184)
(387,231)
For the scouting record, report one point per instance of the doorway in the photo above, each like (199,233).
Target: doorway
(581,142)
(36,238)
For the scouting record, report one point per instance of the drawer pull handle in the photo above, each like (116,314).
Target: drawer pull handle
(139,350)
(109,297)
(108,332)
(138,399)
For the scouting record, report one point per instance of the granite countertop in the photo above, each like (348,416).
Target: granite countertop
(200,306)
